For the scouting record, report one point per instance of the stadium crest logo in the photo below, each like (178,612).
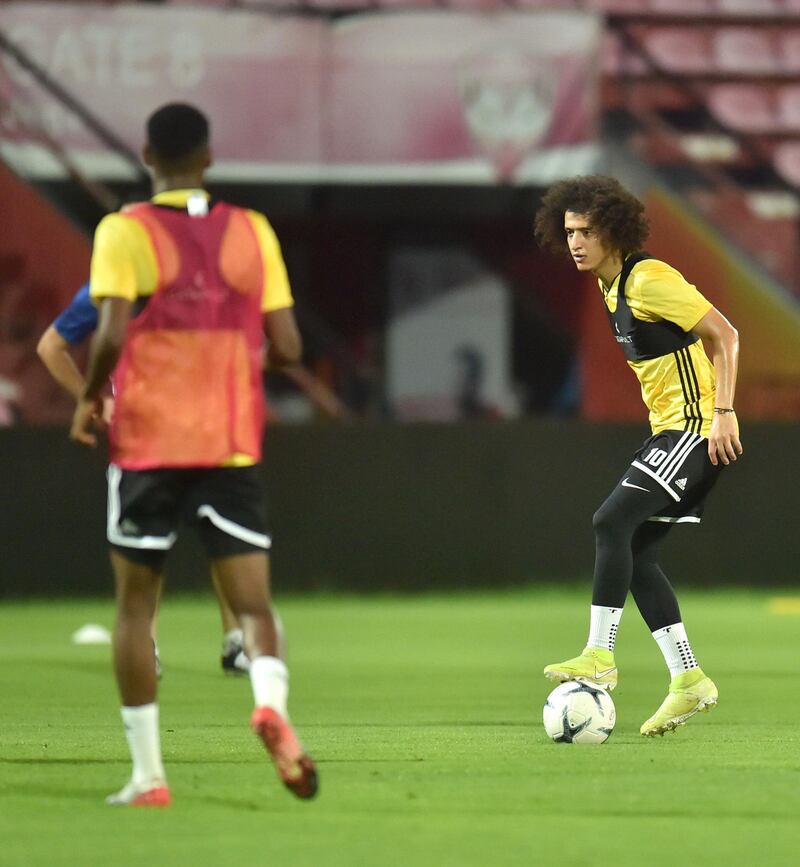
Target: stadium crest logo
(508,95)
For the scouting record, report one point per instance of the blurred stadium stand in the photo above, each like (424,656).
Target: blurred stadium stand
(711,97)
(700,115)
(702,91)
(702,87)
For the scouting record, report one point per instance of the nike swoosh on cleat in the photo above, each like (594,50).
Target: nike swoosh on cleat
(605,671)
(627,484)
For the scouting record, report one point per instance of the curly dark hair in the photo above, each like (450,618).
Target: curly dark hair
(617,215)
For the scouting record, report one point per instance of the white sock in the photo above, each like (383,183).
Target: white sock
(269,678)
(603,627)
(144,741)
(676,648)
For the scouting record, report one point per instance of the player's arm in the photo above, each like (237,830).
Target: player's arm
(56,354)
(115,282)
(107,346)
(318,392)
(71,327)
(722,340)
(284,344)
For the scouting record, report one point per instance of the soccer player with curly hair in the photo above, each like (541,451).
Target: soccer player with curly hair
(660,322)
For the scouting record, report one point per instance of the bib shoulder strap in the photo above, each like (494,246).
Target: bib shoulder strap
(628,266)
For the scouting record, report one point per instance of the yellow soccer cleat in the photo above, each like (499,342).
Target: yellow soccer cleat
(594,665)
(689,693)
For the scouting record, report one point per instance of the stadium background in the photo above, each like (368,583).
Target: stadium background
(400,147)
(399,150)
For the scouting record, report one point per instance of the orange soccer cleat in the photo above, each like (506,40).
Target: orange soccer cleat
(294,767)
(141,795)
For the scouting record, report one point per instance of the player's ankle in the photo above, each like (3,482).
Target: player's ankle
(601,653)
(686,678)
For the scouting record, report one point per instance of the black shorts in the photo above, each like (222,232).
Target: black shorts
(146,507)
(678,462)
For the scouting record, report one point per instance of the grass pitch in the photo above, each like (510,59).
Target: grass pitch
(424,715)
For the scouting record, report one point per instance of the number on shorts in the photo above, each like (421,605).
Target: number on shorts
(655,457)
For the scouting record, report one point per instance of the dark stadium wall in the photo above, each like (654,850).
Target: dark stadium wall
(412,508)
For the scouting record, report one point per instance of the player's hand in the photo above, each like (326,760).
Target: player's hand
(88,416)
(108,410)
(723,439)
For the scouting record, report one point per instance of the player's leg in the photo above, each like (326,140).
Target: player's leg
(154,637)
(650,588)
(230,507)
(244,581)
(233,660)
(633,500)
(142,516)
(137,591)
(690,689)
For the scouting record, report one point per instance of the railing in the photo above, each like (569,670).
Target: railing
(733,176)
(18,118)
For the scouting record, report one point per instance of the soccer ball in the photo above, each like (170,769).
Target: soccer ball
(579,713)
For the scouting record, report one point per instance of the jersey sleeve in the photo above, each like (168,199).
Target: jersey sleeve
(277,292)
(123,260)
(79,319)
(660,292)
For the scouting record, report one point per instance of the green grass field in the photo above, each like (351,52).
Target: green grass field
(424,715)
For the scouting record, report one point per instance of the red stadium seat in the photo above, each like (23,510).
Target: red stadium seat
(751,7)
(786,159)
(678,7)
(618,7)
(336,5)
(528,5)
(744,108)
(683,50)
(789,50)
(744,50)
(490,5)
(788,106)
(271,5)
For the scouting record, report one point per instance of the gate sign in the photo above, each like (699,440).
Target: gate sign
(425,96)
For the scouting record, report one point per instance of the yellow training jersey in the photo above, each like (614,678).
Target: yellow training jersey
(125,264)
(178,258)
(652,310)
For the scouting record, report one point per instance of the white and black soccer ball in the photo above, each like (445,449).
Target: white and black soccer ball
(579,713)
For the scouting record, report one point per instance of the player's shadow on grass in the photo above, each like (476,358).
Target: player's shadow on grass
(237,803)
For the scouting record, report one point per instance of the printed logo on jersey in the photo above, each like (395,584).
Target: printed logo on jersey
(681,483)
(621,338)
